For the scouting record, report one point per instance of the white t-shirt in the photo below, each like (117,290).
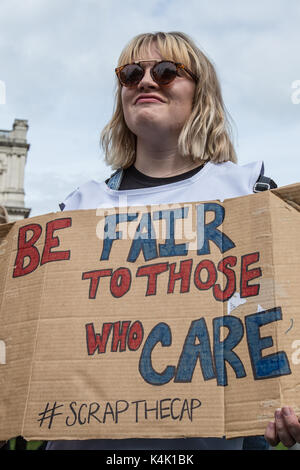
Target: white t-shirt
(213,182)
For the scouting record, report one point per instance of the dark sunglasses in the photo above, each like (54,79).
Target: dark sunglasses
(163,72)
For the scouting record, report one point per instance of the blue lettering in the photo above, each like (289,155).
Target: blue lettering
(170,248)
(273,365)
(206,232)
(223,349)
(110,234)
(161,333)
(192,352)
(144,241)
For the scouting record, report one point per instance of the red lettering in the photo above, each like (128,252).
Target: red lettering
(230,287)
(184,274)
(97,342)
(248,275)
(211,278)
(120,282)
(120,335)
(135,336)
(152,272)
(53,242)
(95,276)
(26,249)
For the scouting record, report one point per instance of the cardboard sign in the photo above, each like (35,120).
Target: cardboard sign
(159,322)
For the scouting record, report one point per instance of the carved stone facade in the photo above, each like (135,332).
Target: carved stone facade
(13,154)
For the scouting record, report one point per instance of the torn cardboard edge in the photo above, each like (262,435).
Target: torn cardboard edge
(290,194)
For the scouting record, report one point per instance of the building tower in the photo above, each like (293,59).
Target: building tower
(13,154)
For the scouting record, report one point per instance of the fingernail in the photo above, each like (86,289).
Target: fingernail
(278,413)
(286,411)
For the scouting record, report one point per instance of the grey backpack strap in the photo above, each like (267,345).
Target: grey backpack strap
(263,184)
(114,181)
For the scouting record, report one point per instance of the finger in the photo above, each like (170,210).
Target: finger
(271,435)
(282,430)
(291,422)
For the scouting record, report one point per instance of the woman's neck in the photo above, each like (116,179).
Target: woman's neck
(162,161)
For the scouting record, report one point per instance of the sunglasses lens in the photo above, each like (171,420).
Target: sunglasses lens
(164,72)
(131,75)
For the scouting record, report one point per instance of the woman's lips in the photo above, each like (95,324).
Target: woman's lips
(148,99)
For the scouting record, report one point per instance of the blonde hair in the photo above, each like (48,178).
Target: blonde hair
(206,133)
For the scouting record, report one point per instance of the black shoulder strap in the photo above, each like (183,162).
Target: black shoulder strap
(263,184)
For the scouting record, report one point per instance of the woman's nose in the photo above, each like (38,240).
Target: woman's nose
(147,81)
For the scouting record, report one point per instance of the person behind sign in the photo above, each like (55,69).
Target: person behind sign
(169,141)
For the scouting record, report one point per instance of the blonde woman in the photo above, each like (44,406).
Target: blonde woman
(169,141)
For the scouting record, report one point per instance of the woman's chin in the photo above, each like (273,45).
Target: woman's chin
(148,121)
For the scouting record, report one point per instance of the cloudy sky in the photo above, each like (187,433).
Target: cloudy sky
(57,60)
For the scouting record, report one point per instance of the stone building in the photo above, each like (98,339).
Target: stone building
(13,154)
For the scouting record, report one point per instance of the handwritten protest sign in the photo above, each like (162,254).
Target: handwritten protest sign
(159,321)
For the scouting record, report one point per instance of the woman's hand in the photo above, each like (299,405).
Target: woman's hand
(285,429)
